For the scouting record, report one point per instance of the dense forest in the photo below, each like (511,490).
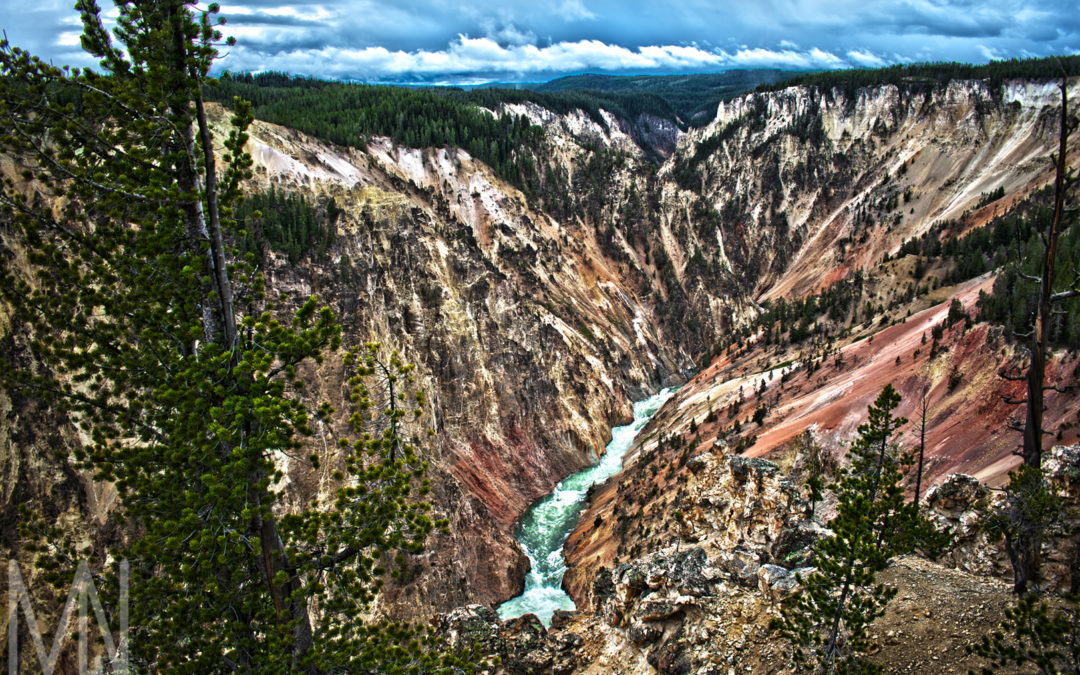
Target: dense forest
(1013,244)
(285,222)
(930,76)
(348,114)
(693,97)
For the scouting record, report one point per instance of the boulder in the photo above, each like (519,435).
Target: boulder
(658,610)
(561,617)
(743,566)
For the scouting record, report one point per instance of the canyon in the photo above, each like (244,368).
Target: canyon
(534,331)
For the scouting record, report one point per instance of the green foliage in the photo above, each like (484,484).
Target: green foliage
(1012,244)
(285,222)
(626,107)
(799,320)
(986,198)
(160,344)
(692,97)
(929,77)
(759,415)
(826,620)
(1031,509)
(1036,634)
(1014,299)
(348,114)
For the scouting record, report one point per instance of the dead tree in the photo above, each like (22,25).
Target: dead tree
(924,407)
(1023,550)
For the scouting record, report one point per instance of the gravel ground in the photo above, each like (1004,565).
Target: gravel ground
(934,616)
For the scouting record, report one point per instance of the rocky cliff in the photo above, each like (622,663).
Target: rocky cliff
(807,189)
(535,320)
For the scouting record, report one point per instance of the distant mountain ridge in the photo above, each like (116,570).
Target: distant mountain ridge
(693,97)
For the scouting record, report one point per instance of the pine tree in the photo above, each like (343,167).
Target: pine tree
(158,341)
(1035,635)
(826,620)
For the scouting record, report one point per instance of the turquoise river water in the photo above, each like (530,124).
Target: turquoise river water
(546,525)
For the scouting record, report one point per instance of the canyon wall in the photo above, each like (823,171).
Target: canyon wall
(534,321)
(808,188)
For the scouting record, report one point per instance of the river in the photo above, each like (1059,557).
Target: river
(546,525)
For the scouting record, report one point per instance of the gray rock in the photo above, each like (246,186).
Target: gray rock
(561,617)
(658,610)
(743,566)
(642,634)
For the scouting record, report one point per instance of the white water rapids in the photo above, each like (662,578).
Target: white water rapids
(546,525)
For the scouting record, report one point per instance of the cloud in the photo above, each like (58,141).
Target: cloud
(399,40)
(247,17)
(508,34)
(866,59)
(468,57)
(574,10)
(783,58)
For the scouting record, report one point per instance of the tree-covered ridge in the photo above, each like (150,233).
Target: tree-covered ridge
(693,97)
(624,106)
(1007,239)
(348,114)
(930,76)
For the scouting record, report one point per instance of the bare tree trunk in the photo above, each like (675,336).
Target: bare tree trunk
(287,606)
(1023,554)
(1036,375)
(188,172)
(217,245)
(925,405)
(1074,573)
(1023,547)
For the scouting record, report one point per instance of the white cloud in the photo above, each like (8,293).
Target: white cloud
(68,39)
(991,54)
(505,52)
(535,37)
(783,58)
(866,58)
(574,10)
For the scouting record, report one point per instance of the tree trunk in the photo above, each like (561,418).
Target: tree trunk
(1074,573)
(1023,554)
(217,245)
(1024,550)
(1036,375)
(188,173)
(288,607)
(221,323)
(922,451)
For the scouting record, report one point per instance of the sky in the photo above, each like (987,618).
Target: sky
(474,41)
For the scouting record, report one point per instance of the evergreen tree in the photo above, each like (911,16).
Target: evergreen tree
(1037,632)
(159,342)
(1036,635)
(827,619)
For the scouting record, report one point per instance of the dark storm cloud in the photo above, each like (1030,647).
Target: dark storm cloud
(444,40)
(264,19)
